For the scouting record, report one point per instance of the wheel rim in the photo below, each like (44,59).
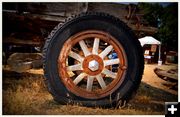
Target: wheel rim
(87,67)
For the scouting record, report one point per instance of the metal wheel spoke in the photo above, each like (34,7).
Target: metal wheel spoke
(101,81)
(95,46)
(106,51)
(90,80)
(74,67)
(76,56)
(111,62)
(84,48)
(79,78)
(109,73)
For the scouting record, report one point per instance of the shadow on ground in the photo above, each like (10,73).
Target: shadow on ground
(151,98)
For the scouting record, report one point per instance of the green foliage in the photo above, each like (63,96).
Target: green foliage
(152,12)
(166,20)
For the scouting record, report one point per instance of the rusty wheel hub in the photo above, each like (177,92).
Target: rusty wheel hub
(93,65)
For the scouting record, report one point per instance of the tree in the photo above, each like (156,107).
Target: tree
(168,31)
(166,20)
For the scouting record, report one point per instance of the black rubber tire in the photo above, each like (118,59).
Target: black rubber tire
(102,22)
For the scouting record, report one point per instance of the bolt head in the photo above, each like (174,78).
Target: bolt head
(93,65)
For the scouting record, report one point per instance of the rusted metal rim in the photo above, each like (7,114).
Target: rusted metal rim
(95,73)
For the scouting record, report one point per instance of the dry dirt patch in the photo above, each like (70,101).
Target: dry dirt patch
(26,94)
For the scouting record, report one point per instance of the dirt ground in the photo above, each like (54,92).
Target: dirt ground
(26,94)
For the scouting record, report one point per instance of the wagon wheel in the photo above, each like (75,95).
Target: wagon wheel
(92,65)
(93,59)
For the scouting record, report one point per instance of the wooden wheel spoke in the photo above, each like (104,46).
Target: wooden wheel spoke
(109,73)
(79,78)
(90,80)
(84,48)
(101,81)
(76,56)
(111,62)
(106,51)
(74,67)
(95,46)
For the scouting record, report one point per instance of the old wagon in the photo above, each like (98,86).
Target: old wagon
(91,57)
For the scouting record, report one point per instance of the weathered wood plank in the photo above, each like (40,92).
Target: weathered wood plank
(15,41)
(165,75)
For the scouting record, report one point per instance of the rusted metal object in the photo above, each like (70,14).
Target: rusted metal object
(86,62)
(86,82)
(20,62)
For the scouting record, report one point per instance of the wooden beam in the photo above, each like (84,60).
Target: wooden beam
(15,41)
